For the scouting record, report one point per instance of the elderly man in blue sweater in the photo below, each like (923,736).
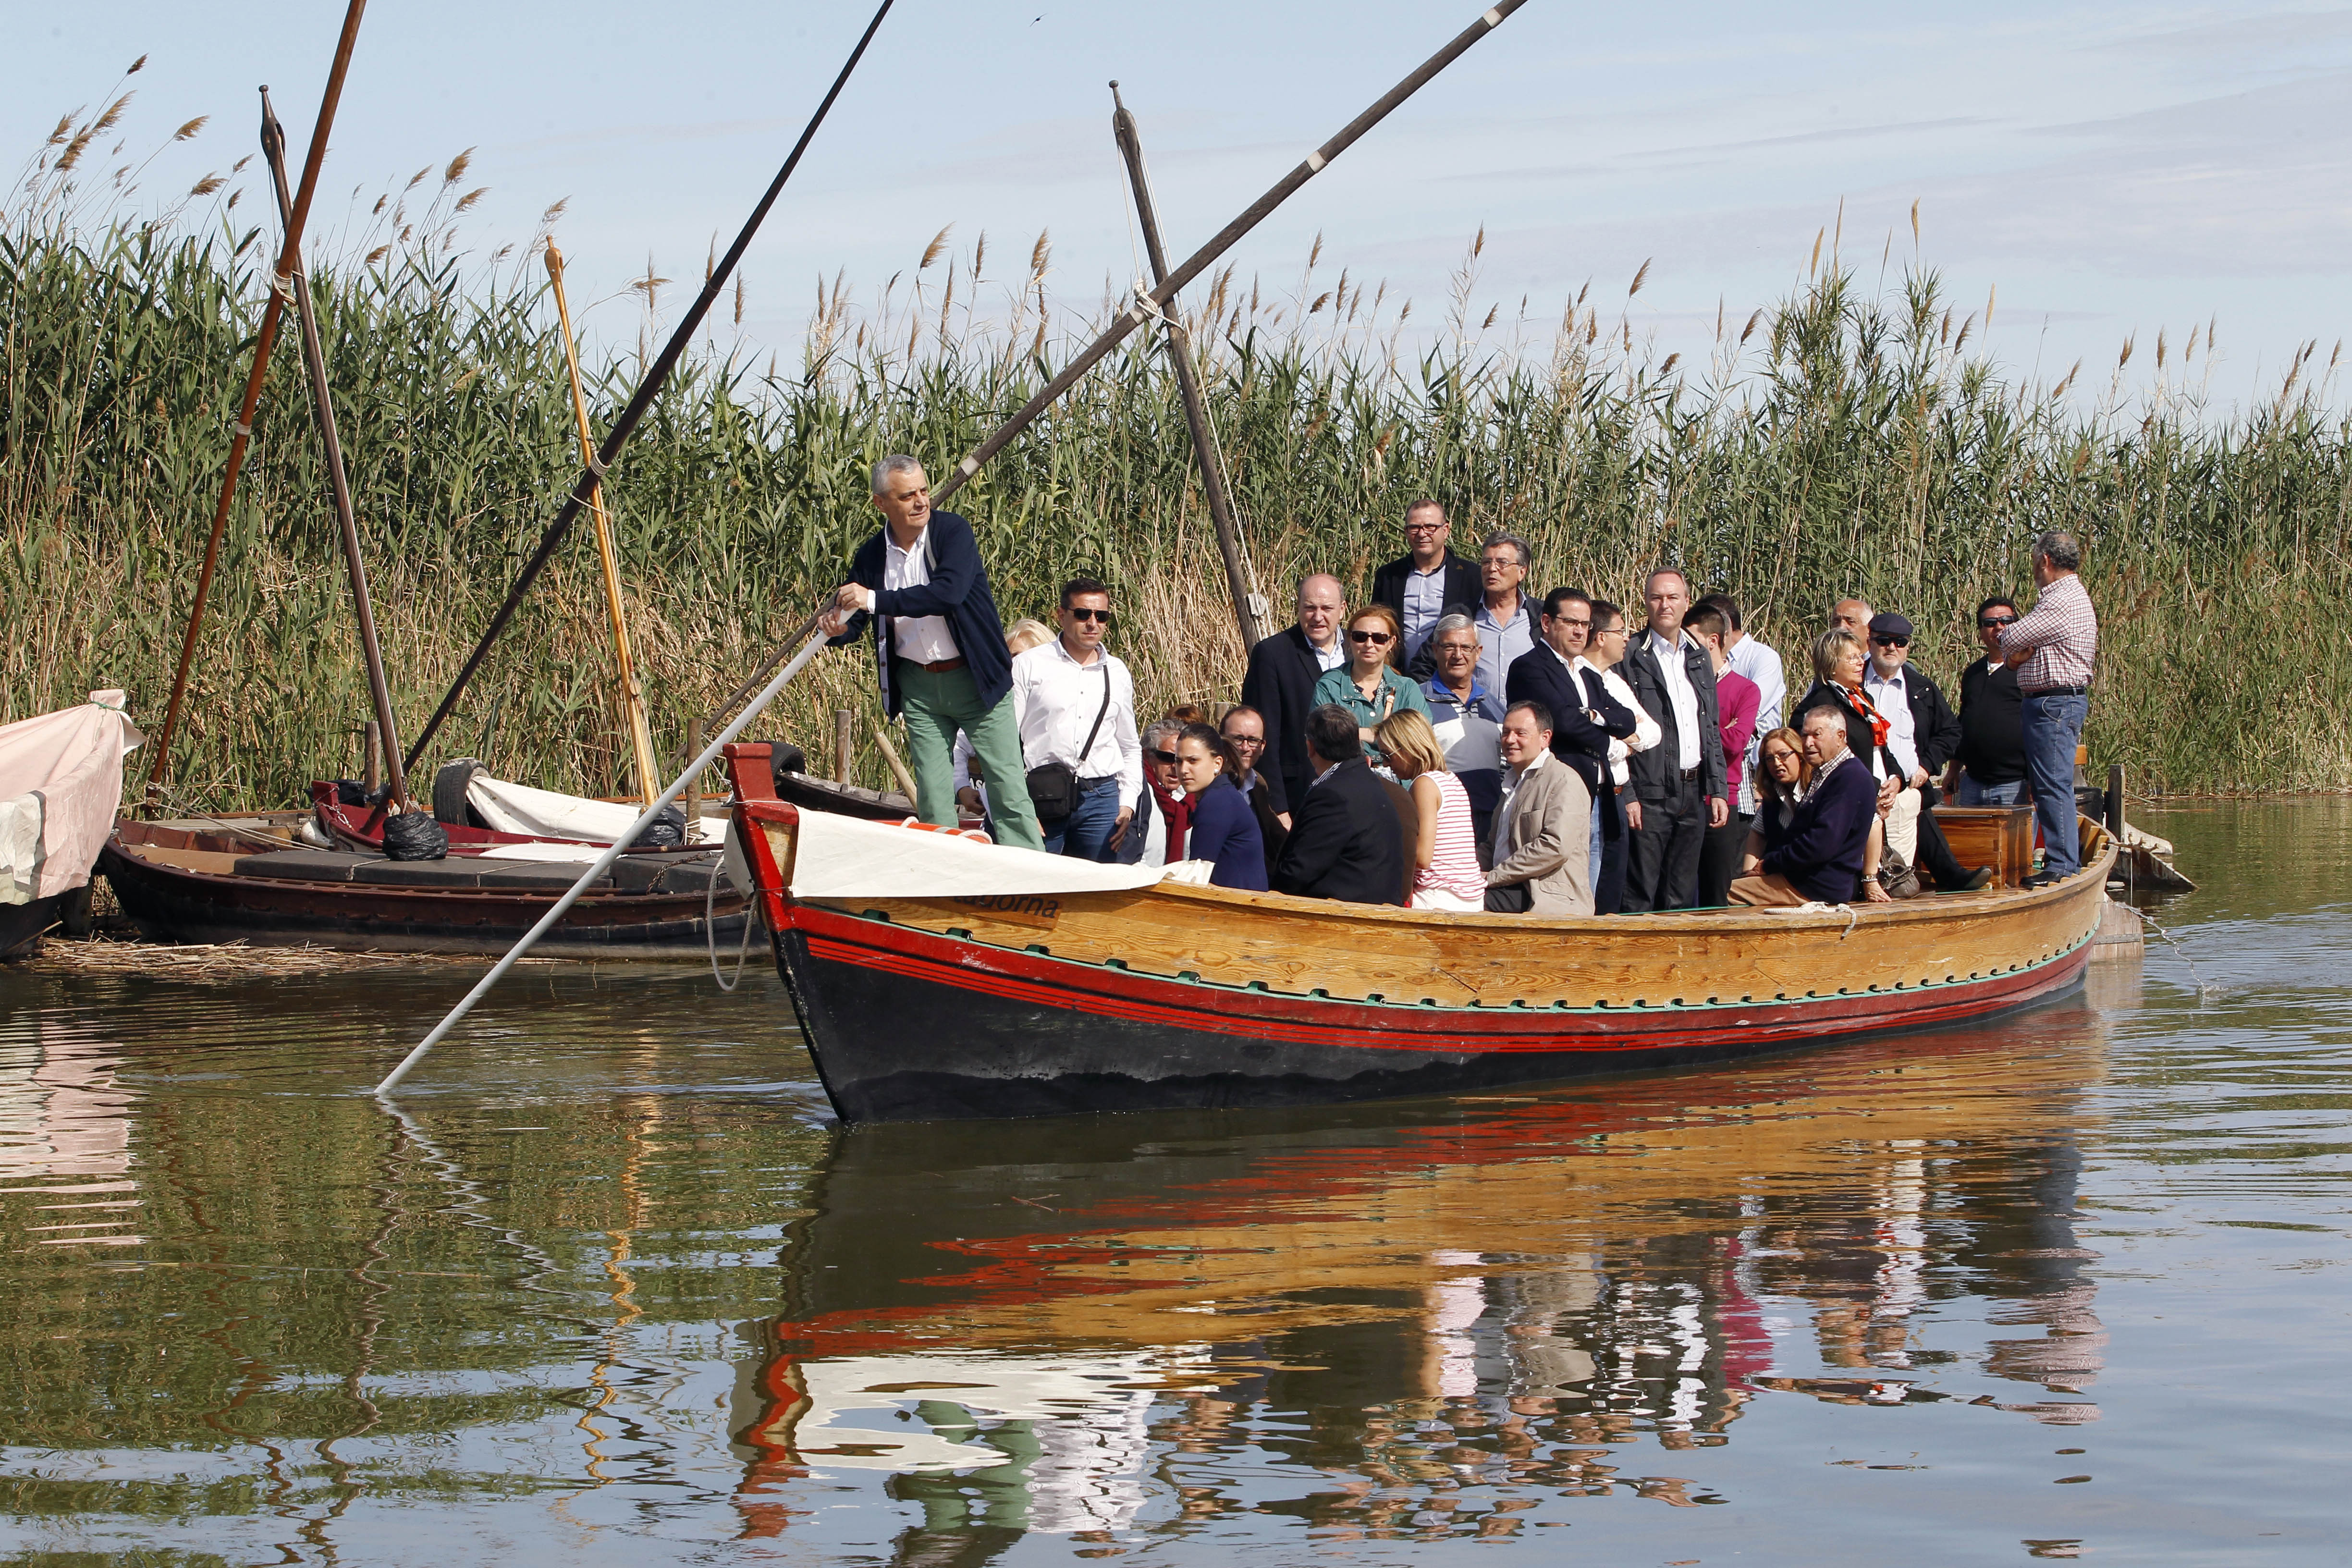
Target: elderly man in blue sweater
(938,647)
(1817,858)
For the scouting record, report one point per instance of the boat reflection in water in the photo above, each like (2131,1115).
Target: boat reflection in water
(1422,1320)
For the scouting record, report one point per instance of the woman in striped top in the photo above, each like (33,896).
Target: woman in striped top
(1446,874)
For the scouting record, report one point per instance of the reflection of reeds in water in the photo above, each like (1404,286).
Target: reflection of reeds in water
(1841,441)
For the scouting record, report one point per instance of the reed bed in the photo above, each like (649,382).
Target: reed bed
(1844,440)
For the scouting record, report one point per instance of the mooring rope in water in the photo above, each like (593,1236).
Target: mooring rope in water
(2207,989)
(710,927)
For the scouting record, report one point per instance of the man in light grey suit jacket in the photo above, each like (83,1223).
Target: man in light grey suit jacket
(1543,827)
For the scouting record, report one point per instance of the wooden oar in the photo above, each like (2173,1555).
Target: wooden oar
(289,249)
(1155,303)
(642,400)
(314,362)
(633,699)
(602,864)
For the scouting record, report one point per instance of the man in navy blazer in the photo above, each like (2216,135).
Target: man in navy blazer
(1280,684)
(1546,673)
(1820,859)
(938,649)
(1679,784)
(1346,841)
(1425,582)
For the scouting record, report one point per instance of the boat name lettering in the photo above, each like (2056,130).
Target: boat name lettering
(1045,909)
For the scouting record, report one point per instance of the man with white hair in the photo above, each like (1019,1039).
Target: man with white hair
(938,647)
(2055,649)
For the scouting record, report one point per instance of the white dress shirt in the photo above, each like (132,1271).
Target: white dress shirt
(1647,732)
(1759,663)
(925,639)
(1054,700)
(1331,658)
(1512,779)
(1893,695)
(1501,644)
(1681,693)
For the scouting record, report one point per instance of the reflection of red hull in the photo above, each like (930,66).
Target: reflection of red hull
(1177,996)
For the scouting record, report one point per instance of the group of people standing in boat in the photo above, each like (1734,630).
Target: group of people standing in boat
(1457,744)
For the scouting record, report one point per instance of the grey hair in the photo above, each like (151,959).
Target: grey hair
(1453,621)
(2061,549)
(1678,574)
(896,463)
(1520,547)
(1160,727)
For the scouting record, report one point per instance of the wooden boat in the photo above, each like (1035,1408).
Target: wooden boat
(250,878)
(1176,995)
(60,781)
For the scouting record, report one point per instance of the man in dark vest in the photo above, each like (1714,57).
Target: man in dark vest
(1679,783)
(940,649)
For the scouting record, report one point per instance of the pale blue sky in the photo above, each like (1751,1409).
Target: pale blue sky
(2113,169)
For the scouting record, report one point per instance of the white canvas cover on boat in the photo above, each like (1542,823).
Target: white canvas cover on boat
(545,814)
(60,786)
(848,857)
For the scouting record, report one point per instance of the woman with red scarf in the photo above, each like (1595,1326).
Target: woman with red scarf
(1839,661)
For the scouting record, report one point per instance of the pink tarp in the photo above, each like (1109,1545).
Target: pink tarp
(60,786)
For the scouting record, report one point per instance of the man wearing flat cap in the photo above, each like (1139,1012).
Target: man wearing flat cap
(1922,732)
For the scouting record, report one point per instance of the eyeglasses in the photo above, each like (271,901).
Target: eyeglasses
(1987,622)
(1165,759)
(1079,613)
(1564,621)
(1253,742)
(1890,642)
(1424,527)
(1377,640)
(1609,631)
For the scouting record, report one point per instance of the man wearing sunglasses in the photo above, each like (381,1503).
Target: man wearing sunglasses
(1075,702)
(1922,733)
(1989,769)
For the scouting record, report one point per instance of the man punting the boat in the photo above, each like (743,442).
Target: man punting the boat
(938,647)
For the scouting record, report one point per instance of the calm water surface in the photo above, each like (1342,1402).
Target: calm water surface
(609,1287)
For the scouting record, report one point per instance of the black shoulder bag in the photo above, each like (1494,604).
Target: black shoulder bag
(1054,787)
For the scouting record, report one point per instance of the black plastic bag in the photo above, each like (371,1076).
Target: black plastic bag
(665,831)
(413,836)
(350,792)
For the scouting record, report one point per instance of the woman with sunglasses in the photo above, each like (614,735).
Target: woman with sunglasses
(1222,829)
(1369,685)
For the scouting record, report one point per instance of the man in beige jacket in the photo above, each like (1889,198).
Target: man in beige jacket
(1542,828)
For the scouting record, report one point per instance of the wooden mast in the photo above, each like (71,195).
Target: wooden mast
(273,148)
(1151,304)
(1249,608)
(287,253)
(633,697)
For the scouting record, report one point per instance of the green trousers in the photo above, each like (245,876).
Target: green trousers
(935,706)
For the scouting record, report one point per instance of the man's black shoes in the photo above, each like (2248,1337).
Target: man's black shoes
(2041,879)
(1973,880)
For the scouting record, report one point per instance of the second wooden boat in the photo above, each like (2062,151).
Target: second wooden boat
(1026,1002)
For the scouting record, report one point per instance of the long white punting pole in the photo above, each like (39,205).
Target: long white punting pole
(603,862)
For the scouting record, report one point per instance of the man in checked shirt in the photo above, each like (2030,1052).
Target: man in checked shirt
(2053,649)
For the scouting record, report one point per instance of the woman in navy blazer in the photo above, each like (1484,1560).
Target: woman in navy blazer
(1224,826)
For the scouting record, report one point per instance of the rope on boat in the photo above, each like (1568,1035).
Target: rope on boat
(710,932)
(2207,989)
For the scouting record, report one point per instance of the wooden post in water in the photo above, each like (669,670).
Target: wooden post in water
(694,783)
(371,756)
(633,699)
(288,252)
(273,148)
(1249,606)
(891,759)
(2116,801)
(845,740)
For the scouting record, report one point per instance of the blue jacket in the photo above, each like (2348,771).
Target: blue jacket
(958,590)
(1224,829)
(1540,675)
(1822,852)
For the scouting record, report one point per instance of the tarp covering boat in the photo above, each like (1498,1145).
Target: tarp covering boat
(60,785)
(845,857)
(549,814)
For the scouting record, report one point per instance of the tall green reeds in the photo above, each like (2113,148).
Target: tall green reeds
(1840,442)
